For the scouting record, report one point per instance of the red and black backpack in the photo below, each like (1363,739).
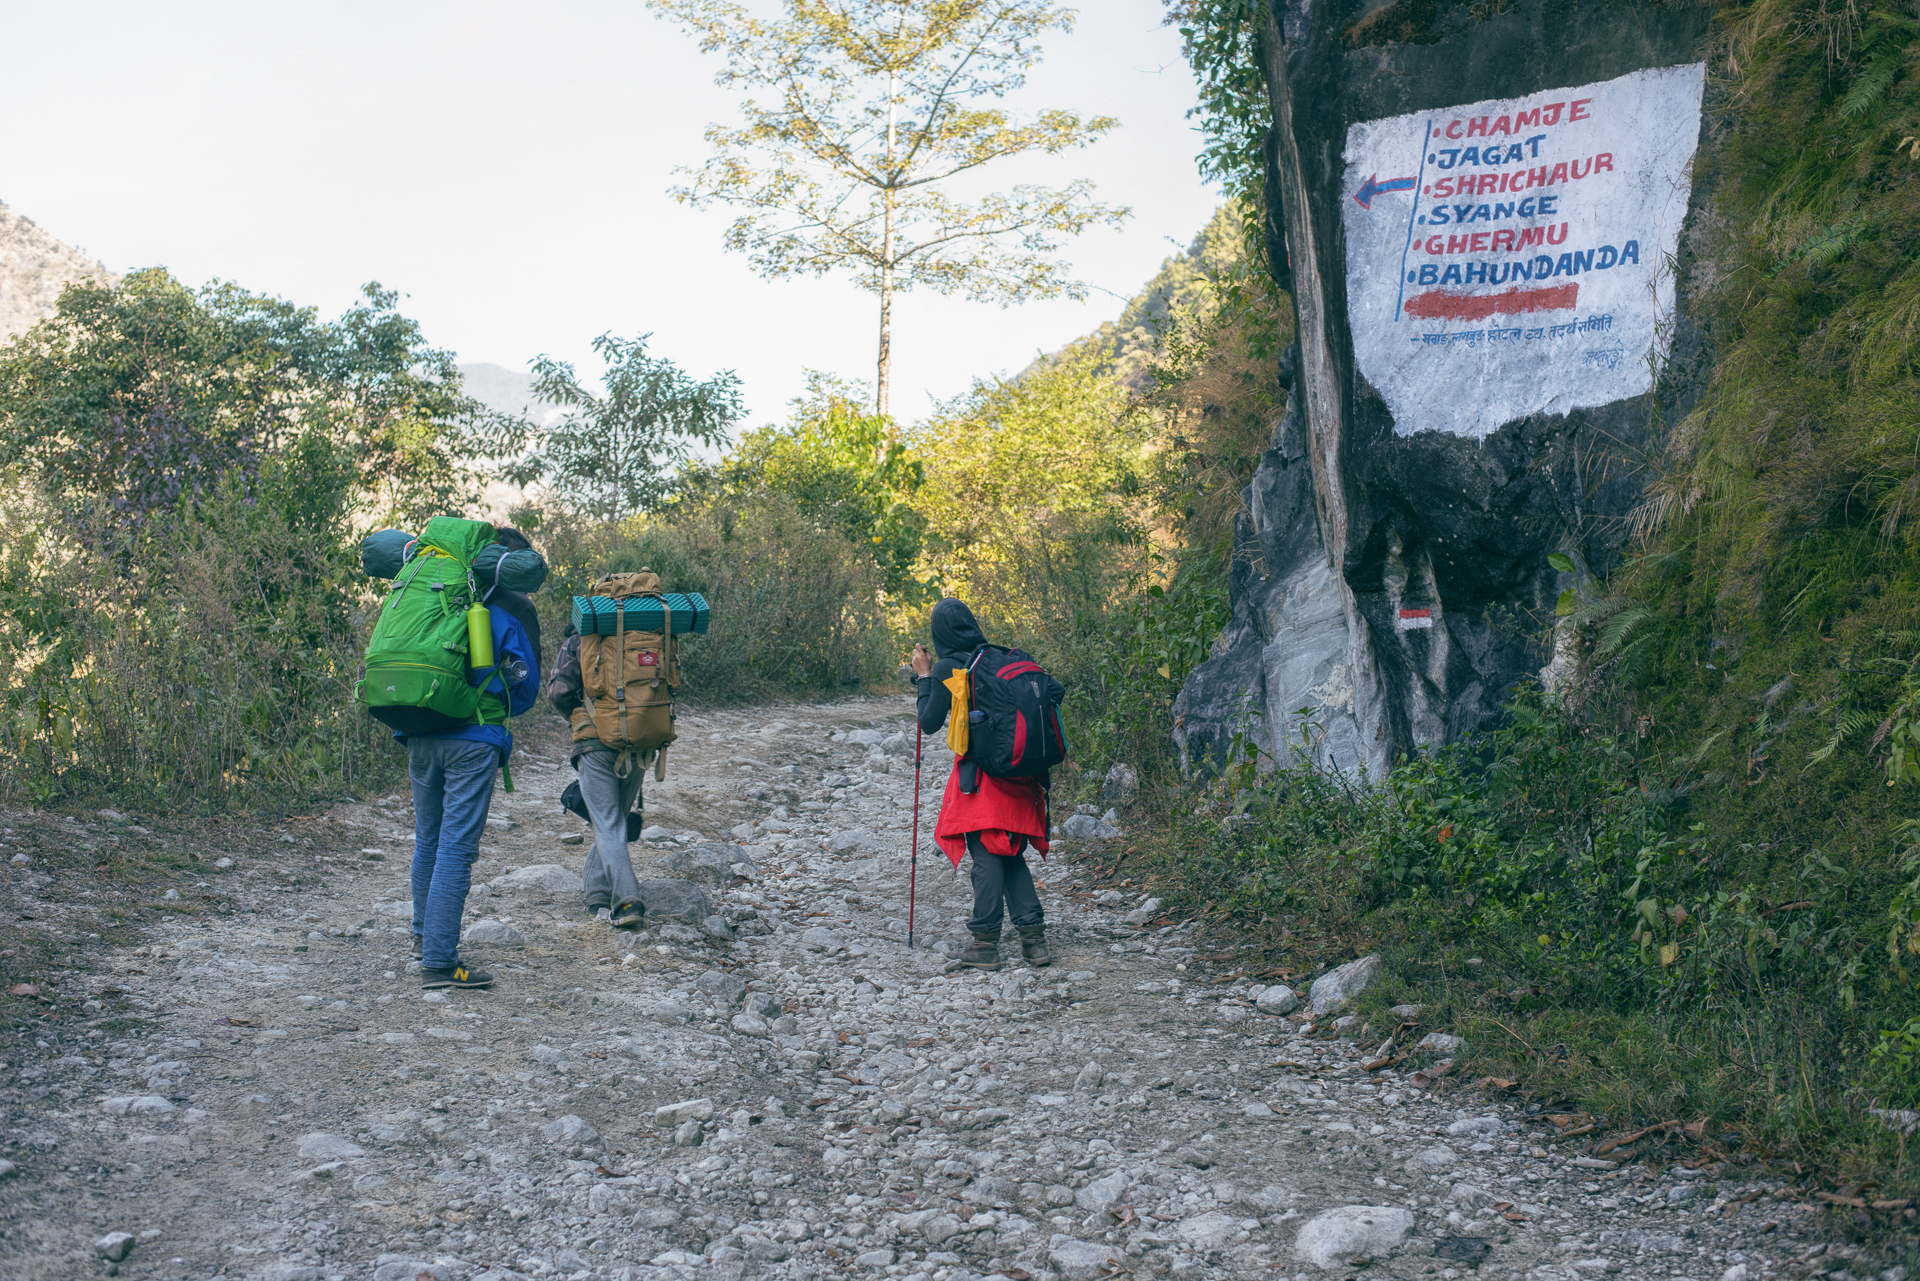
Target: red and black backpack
(1014,721)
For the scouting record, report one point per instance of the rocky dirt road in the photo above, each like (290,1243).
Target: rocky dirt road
(808,1098)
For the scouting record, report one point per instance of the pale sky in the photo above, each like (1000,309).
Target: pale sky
(506,166)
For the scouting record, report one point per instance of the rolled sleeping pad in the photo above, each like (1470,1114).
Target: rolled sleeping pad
(384,553)
(598,615)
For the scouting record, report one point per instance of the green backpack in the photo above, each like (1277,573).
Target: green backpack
(416,677)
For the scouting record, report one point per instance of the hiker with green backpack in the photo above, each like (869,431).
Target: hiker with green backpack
(447,673)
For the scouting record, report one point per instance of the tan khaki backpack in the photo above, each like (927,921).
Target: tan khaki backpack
(629,680)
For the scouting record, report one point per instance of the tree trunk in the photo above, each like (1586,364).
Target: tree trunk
(883,373)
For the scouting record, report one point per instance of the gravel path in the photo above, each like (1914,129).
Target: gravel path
(808,1099)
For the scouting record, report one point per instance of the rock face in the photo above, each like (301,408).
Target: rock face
(1391,577)
(34,268)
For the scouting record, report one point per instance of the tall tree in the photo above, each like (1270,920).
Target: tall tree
(881,97)
(611,451)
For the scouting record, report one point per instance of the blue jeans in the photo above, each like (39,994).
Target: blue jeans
(452,789)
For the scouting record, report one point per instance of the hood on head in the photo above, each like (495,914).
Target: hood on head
(954,631)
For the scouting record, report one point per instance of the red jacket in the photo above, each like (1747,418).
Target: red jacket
(1008,813)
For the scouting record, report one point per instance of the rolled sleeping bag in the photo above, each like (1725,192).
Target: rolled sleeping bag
(385,551)
(523,570)
(599,615)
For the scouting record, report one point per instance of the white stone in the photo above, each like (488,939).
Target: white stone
(822,939)
(550,877)
(1477,1125)
(1206,1232)
(687,1110)
(1081,827)
(571,1130)
(115,1246)
(329,1147)
(750,1025)
(1144,913)
(1102,1195)
(1337,987)
(1082,1260)
(493,934)
(1333,1237)
(1444,1042)
(1435,1158)
(1278,999)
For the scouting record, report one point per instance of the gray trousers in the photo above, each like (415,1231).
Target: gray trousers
(609,871)
(997,879)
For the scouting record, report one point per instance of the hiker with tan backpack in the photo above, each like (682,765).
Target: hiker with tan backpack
(614,680)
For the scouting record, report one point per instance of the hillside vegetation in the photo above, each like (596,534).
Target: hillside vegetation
(1688,891)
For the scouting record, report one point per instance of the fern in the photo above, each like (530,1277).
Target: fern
(1615,631)
(1850,723)
(1871,85)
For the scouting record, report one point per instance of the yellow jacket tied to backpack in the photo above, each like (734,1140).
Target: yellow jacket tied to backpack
(629,680)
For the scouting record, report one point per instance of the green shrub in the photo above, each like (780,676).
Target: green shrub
(206,656)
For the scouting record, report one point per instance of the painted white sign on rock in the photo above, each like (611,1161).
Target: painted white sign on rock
(1510,258)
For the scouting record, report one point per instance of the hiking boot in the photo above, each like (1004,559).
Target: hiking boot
(458,976)
(983,953)
(629,916)
(414,950)
(1033,945)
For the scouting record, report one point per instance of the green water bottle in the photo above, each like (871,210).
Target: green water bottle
(479,636)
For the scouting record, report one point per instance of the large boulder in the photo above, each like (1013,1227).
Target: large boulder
(1334,1237)
(1445,428)
(1340,985)
(670,900)
(708,863)
(493,934)
(551,877)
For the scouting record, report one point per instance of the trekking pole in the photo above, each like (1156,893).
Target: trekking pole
(913,856)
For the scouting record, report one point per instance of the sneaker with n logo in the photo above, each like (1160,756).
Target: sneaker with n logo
(458,976)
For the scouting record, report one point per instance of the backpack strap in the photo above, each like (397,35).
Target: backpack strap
(624,765)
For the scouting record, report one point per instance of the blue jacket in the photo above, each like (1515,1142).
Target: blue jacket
(510,640)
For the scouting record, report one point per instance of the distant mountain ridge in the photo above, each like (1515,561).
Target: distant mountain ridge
(34,268)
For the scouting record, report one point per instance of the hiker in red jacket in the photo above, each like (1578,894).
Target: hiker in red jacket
(994,819)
